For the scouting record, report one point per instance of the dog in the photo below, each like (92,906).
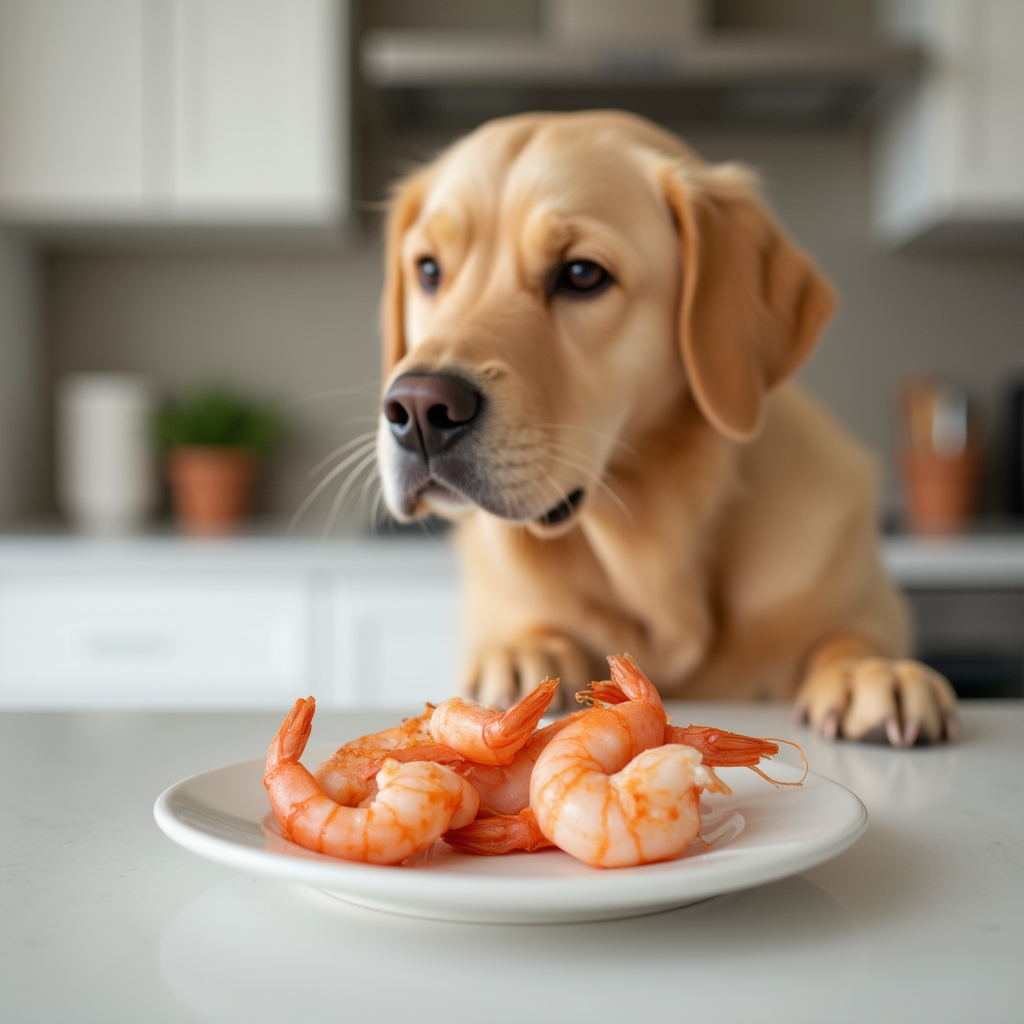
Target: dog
(588,339)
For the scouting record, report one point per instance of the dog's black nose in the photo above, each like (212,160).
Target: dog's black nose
(429,412)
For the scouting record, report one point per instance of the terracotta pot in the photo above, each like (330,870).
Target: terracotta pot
(211,487)
(941,491)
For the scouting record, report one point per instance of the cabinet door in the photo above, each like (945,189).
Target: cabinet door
(950,156)
(157,641)
(396,645)
(73,102)
(988,106)
(257,88)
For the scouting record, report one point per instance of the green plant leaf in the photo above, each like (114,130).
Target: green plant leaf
(216,416)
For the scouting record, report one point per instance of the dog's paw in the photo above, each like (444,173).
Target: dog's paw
(505,674)
(877,700)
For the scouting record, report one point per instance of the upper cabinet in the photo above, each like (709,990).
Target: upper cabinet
(209,112)
(73,99)
(950,156)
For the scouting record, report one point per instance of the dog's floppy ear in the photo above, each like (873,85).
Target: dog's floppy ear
(753,304)
(402,212)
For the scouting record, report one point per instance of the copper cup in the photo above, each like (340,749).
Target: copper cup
(941,490)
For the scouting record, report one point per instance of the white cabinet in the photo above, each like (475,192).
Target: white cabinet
(72,106)
(242,622)
(950,156)
(396,645)
(174,111)
(167,640)
(256,98)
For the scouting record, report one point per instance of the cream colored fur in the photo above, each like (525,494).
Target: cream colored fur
(727,536)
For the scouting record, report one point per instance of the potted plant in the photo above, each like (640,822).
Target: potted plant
(213,441)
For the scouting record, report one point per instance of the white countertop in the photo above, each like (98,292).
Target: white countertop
(105,919)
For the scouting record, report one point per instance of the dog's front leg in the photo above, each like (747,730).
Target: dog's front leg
(850,691)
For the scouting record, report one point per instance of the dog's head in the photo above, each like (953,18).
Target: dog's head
(555,285)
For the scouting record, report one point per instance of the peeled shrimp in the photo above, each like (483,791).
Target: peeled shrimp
(718,747)
(349,775)
(485,735)
(415,803)
(608,791)
(505,789)
(496,834)
(411,731)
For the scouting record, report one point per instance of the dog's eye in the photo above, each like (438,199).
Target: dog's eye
(429,274)
(582,276)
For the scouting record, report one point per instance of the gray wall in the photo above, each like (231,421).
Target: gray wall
(297,328)
(23,464)
(297,325)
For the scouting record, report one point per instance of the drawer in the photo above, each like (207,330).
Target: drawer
(396,646)
(154,641)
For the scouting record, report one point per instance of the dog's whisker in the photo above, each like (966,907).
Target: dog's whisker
(337,451)
(343,490)
(367,480)
(377,509)
(340,468)
(364,491)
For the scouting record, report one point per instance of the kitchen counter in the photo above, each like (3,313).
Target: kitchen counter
(105,919)
(983,559)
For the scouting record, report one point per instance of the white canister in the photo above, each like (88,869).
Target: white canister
(106,464)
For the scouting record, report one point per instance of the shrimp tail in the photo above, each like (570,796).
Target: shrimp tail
(291,738)
(515,725)
(499,834)
(626,675)
(721,749)
(605,692)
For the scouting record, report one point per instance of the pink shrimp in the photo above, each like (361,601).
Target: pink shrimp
(718,747)
(503,789)
(497,834)
(416,802)
(411,731)
(485,735)
(608,790)
(349,775)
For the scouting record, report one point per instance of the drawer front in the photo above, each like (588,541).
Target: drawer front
(156,641)
(396,646)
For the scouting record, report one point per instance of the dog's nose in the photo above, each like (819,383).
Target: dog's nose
(428,412)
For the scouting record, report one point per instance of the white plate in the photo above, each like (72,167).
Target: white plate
(757,835)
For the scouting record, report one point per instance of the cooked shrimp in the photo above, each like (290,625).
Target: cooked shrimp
(349,775)
(415,803)
(505,789)
(488,736)
(412,730)
(718,747)
(609,792)
(498,834)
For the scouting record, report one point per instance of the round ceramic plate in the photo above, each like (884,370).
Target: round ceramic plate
(756,835)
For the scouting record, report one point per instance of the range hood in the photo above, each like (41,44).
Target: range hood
(726,75)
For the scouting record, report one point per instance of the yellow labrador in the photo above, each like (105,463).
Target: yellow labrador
(588,332)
